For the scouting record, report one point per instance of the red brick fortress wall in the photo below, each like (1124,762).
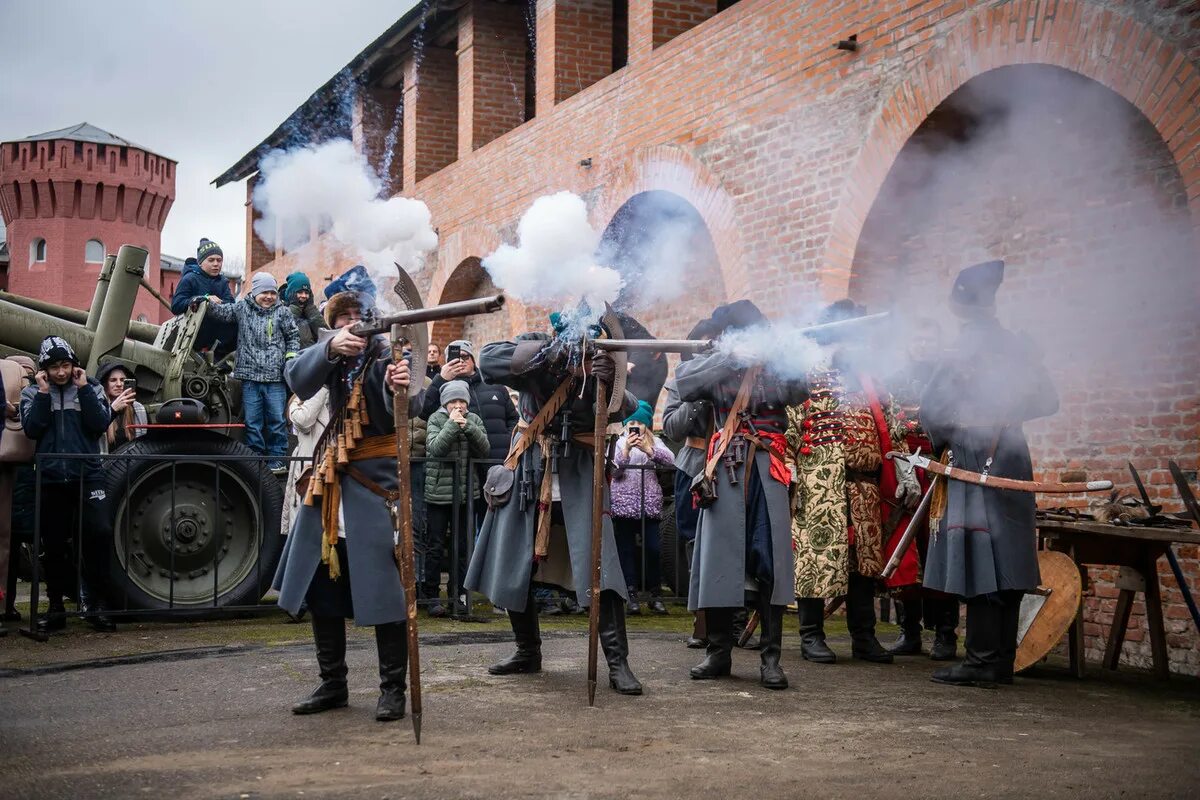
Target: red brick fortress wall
(783,144)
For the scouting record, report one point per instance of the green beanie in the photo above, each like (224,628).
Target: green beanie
(644,414)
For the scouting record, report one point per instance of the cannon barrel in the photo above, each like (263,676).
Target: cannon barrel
(93,315)
(139,331)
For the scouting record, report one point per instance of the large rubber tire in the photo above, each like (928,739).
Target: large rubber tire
(157,531)
(674,561)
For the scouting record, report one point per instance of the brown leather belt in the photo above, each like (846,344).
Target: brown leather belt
(698,442)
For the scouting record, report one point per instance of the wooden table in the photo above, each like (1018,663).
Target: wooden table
(1136,551)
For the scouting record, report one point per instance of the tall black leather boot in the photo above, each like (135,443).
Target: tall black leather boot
(945,627)
(616,645)
(812,631)
(909,617)
(860,619)
(1011,619)
(770,673)
(984,645)
(718,654)
(528,657)
(329,634)
(391,642)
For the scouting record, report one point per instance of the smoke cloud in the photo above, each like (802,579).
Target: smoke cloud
(330,188)
(554,261)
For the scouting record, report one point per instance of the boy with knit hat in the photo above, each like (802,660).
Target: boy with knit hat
(268,338)
(454,432)
(202,280)
(65,413)
(297,293)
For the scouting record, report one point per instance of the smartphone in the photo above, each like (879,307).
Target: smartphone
(635,429)
(453,352)
(129,383)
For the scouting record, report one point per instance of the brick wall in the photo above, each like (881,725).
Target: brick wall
(783,143)
(1082,199)
(430,113)
(491,72)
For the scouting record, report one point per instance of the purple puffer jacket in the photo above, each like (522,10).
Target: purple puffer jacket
(627,497)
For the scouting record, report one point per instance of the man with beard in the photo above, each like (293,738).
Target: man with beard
(983,542)
(339,558)
(837,440)
(538,524)
(742,536)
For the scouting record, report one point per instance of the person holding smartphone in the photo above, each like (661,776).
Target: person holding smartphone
(637,505)
(66,413)
(120,390)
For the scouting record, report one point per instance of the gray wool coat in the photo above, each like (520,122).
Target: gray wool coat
(719,559)
(986,541)
(501,565)
(375,586)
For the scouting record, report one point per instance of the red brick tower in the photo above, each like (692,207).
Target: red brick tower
(72,195)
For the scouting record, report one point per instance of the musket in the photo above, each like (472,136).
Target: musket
(402,330)
(704,345)
(463,308)
(910,533)
(983,479)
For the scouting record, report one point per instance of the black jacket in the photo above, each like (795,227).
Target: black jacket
(68,419)
(490,402)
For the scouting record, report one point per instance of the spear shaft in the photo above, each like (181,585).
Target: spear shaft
(403,516)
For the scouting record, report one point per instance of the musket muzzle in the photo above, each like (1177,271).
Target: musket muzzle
(463,308)
(653,345)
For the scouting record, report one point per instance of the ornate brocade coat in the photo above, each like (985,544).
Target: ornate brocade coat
(835,454)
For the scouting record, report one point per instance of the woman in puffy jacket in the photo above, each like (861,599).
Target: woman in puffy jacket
(636,501)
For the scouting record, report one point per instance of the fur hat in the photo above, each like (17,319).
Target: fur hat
(341,303)
(54,349)
(455,390)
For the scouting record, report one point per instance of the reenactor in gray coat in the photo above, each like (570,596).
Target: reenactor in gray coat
(346,528)
(743,537)
(558,479)
(983,545)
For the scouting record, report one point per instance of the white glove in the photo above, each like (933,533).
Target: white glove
(908,490)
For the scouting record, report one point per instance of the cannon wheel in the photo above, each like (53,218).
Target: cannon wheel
(229,551)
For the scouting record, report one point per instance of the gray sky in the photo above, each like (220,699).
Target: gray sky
(199,81)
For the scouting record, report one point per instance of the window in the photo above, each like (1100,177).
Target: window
(93,251)
(37,250)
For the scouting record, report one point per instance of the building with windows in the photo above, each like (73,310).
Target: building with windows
(818,150)
(70,196)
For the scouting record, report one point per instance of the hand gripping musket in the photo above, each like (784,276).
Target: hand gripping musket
(938,469)
(406,327)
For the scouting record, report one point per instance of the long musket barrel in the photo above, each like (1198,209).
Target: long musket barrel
(653,345)
(701,345)
(463,308)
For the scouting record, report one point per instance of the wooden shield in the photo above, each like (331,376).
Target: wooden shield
(1045,618)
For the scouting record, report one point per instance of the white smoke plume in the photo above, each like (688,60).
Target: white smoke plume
(331,188)
(780,346)
(554,263)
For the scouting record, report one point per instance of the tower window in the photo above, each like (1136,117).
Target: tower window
(93,251)
(37,250)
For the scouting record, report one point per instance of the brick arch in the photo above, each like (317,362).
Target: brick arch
(1145,69)
(459,255)
(673,169)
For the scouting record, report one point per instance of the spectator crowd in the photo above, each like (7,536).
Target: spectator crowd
(465,425)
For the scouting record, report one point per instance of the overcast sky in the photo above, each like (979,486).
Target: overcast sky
(198,81)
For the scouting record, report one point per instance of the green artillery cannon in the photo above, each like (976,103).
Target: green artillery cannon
(191,527)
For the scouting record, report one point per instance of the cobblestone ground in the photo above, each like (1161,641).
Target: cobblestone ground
(214,722)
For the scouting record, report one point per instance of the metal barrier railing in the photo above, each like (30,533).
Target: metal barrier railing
(194,534)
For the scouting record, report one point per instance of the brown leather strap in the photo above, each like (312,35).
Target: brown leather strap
(698,442)
(390,495)
(531,432)
(374,447)
(731,422)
